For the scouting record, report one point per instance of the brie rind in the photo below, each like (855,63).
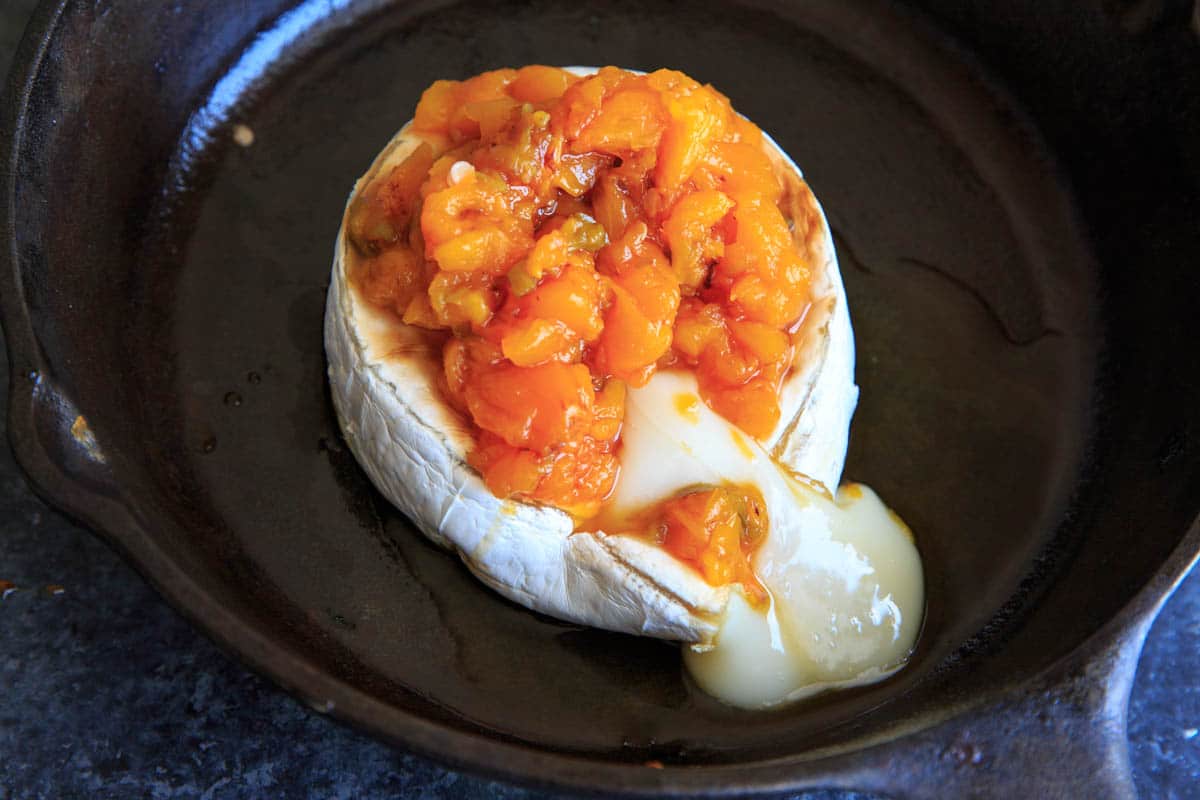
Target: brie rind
(414,448)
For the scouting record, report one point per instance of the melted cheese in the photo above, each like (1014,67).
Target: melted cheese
(845,579)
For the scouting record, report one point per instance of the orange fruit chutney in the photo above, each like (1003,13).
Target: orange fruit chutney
(569,237)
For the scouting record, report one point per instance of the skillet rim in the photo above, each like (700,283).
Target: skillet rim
(31,387)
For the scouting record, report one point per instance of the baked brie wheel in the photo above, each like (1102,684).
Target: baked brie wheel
(835,596)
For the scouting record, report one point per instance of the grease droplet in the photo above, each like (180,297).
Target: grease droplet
(254,377)
(233,399)
(964,753)
(341,620)
(243,135)
(55,589)
(208,445)
(322,706)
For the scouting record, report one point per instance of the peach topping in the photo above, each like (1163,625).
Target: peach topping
(569,236)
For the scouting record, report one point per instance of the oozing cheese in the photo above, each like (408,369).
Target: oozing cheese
(845,579)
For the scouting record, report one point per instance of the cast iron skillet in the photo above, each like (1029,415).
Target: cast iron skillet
(1022,269)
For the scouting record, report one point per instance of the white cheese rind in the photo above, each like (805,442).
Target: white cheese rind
(414,448)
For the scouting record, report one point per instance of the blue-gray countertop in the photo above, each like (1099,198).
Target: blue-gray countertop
(106,692)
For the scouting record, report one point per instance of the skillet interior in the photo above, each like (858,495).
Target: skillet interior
(1028,399)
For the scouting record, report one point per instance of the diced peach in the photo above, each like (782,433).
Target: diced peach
(392,278)
(766,343)
(740,169)
(582,101)
(571,236)
(698,120)
(634,247)
(463,299)
(536,341)
(533,407)
(485,250)
(576,174)
(584,470)
(630,341)
(609,410)
(614,208)
(761,238)
(436,106)
(481,89)
(753,407)
(538,84)
(506,470)
(653,286)
(571,297)
(487,85)
(690,236)
(697,327)
(716,531)
(492,116)
(421,314)
(380,217)
(744,131)
(766,301)
(632,119)
(724,364)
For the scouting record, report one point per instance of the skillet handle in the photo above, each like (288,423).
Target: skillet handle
(1063,737)
(55,446)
